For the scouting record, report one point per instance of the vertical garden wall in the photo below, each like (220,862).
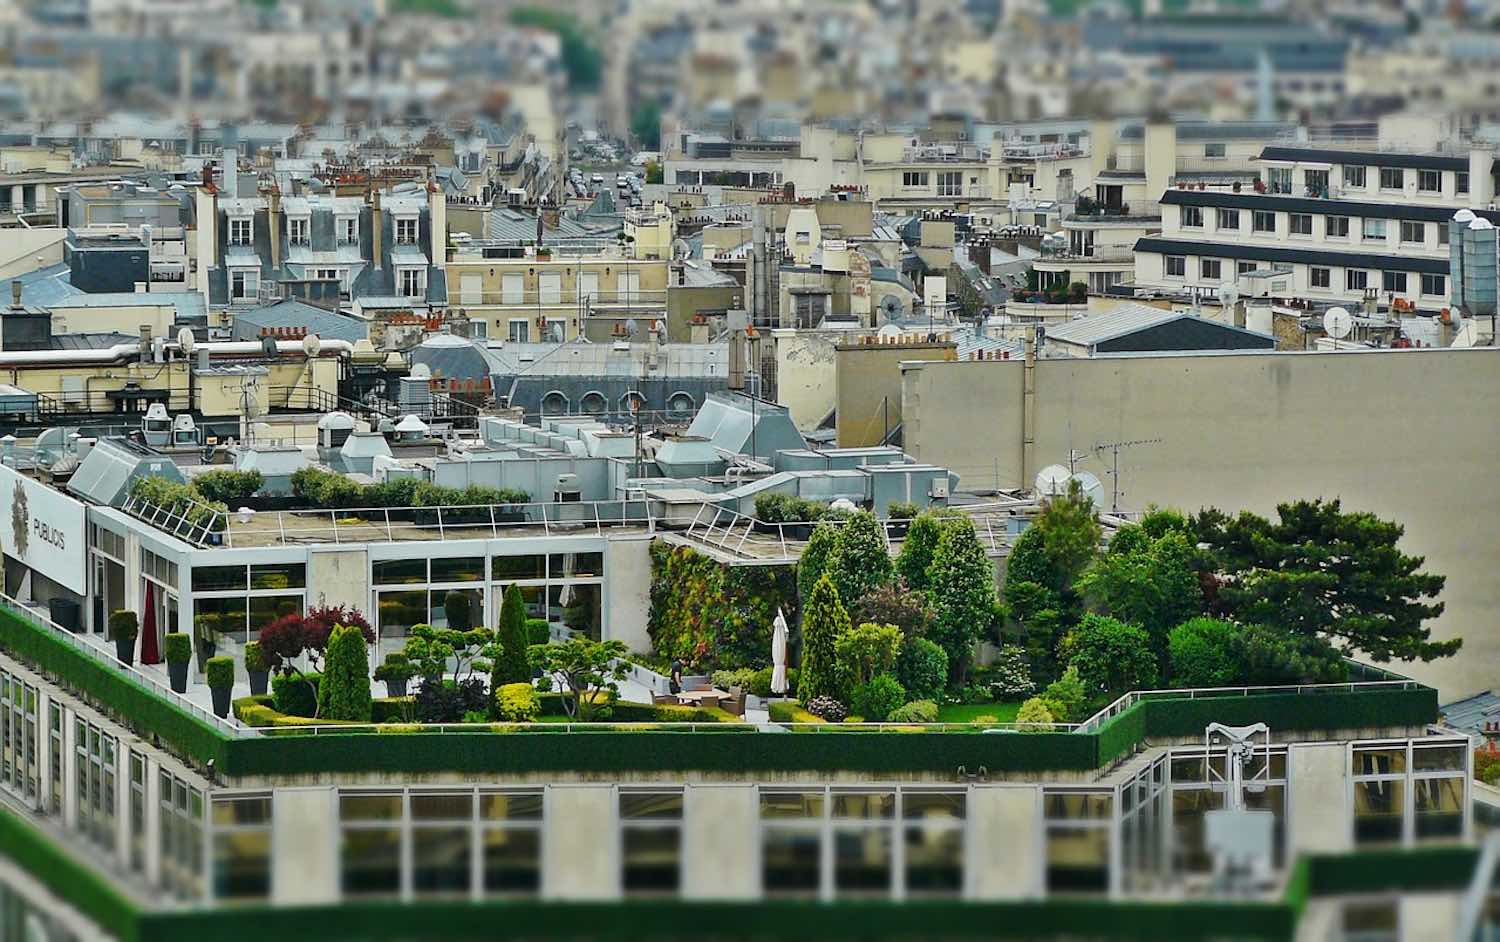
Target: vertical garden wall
(712,614)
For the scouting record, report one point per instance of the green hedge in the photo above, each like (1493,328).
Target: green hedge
(1120,736)
(1334,710)
(99,679)
(86,888)
(1422,869)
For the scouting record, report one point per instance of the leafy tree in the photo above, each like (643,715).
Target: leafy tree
(922,668)
(1271,655)
(1206,652)
(645,124)
(823,621)
(867,650)
(511,661)
(1155,587)
(1034,715)
(344,691)
(815,559)
(861,560)
(654,172)
(1066,697)
(1319,571)
(1129,539)
(1112,657)
(916,551)
(878,698)
(581,60)
(1070,534)
(589,670)
(962,592)
(1159,521)
(894,605)
(1028,562)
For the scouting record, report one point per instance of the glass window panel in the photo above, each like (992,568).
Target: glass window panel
(1076,806)
(438,612)
(512,860)
(511,806)
(1384,761)
(370,807)
(652,859)
(458,569)
(934,861)
(1439,808)
(397,612)
(225,616)
(242,865)
(576,565)
(657,806)
(864,805)
(1189,805)
(1438,759)
(401,572)
(242,812)
(791,861)
(371,861)
(458,806)
(518,567)
(791,805)
(862,861)
(268,608)
(279,576)
(932,805)
(1378,812)
(577,606)
(1077,860)
(1371,920)
(218,578)
(441,859)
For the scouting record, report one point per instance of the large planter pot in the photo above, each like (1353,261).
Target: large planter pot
(258,681)
(125,650)
(178,671)
(204,651)
(221,700)
(396,688)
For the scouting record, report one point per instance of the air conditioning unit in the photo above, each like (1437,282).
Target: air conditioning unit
(938,488)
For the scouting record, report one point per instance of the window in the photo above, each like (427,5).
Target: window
(1192,217)
(1374,229)
(1429,181)
(513,288)
(244,283)
(411,282)
(241,855)
(1461,182)
(1196,790)
(370,826)
(1414,232)
(240,228)
(181,835)
(550,287)
(1337,227)
(1409,791)
(650,842)
(1319,277)
(510,843)
(1209,269)
(1279,179)
(1355,279)
(1442,233)
(1077,827)
(236,602)
(1214,151)
(1263,221)
(1354,177)
(19,767)
(519,330)
(810,309)
(470,289)
(1435,286)
(1392,178)
(1316,182)
(479,330)
(913,178)
(1393,281)
(297,230)
(1176,266)
(1228,219)
(406,230)
(348,230)
(950,183)
(1241,268)
(1299,224)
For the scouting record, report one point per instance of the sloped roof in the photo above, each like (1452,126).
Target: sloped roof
(1123,320)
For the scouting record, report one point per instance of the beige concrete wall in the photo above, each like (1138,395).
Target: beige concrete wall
(721,831)
(627,591)
(867,386)
(21,248)
(581,850)
(304,845)
(806,372)
(339,577)
(1429,916)
(1318,792)
(1007,856)
(1409,435)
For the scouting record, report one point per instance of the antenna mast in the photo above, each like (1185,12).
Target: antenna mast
(1114,467)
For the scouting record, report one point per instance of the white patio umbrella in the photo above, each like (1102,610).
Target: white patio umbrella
(778,654)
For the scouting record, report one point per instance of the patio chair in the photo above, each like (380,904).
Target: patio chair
(734,704)
(663,699)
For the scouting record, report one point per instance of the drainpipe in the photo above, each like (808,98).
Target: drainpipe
(1028,409)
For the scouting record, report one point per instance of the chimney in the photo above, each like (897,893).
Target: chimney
(438,222)
(273,220)
(1481,177)
(377,222)
(15,294)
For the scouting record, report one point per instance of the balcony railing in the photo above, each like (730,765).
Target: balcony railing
(562,298)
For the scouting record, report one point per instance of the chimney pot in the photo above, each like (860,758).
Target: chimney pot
(15,293)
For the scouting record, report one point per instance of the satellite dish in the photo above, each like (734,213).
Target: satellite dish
(1052,481)
(421,371)
(1337,322)
(185,341)
(311,345)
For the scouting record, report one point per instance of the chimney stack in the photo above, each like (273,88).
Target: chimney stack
(377,223)
(15,294)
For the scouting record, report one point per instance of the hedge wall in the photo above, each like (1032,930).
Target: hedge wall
(1120,736)
(1335,710)
(88,890)
(1422,869)
(129,702)
(714,615)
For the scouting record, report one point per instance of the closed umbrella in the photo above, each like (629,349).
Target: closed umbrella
(778,654)
(150,650)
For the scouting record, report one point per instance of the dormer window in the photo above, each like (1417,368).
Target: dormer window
(348,230)
(298,229)
(406,230)
(240,230)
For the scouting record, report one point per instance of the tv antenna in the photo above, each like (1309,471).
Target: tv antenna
(1114,449)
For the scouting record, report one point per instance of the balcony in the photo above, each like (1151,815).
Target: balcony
(521,300)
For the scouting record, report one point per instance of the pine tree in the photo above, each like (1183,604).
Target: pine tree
(962,592)
(344,691)
(823,620)
(861,560)
(512,665)
(815,559)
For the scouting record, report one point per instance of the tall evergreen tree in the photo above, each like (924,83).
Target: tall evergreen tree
(916,551)
(861,560)
(962,589)
(815,558)
(511,662)
(344,691)
(823,620)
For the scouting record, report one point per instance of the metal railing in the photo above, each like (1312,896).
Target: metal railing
(646,727)
(192,522)
(131,672)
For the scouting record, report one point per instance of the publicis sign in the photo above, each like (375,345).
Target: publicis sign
(44,530)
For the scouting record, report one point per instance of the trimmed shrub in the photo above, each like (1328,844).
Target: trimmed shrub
(962,591)
(220,672)
(255,659)
(124,625)
(459,610)
(344,693)
(876,699)
(760,682)
(827,709)
(815,559)
(822,624)
(902,510)
(512,663)
(865,651)
(517,703)
(1066,697)
(917,711)
(922,668)
(1205,652)
(915,557)
(1034,715)
(296,694)
(395,668)
(538,631)
(227,486)
(447,701)
(743,677)
(1112,656)
(177,648)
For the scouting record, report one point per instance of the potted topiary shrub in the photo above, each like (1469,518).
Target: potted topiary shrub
(204,640)
(178,649)
(395,672)
(256,668)
(220,671)
(123,628)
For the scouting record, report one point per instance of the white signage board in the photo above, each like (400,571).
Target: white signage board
(43,529)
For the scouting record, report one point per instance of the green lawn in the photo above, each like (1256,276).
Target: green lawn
(969,712)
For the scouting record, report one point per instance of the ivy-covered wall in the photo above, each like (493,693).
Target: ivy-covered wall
(713,615)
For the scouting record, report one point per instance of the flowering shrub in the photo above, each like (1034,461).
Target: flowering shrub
(827,708)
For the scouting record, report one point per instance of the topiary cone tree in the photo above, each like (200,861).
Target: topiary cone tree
(512,665)
(823,620)
(344,692)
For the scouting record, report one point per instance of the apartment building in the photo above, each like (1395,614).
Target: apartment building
(1334,226)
